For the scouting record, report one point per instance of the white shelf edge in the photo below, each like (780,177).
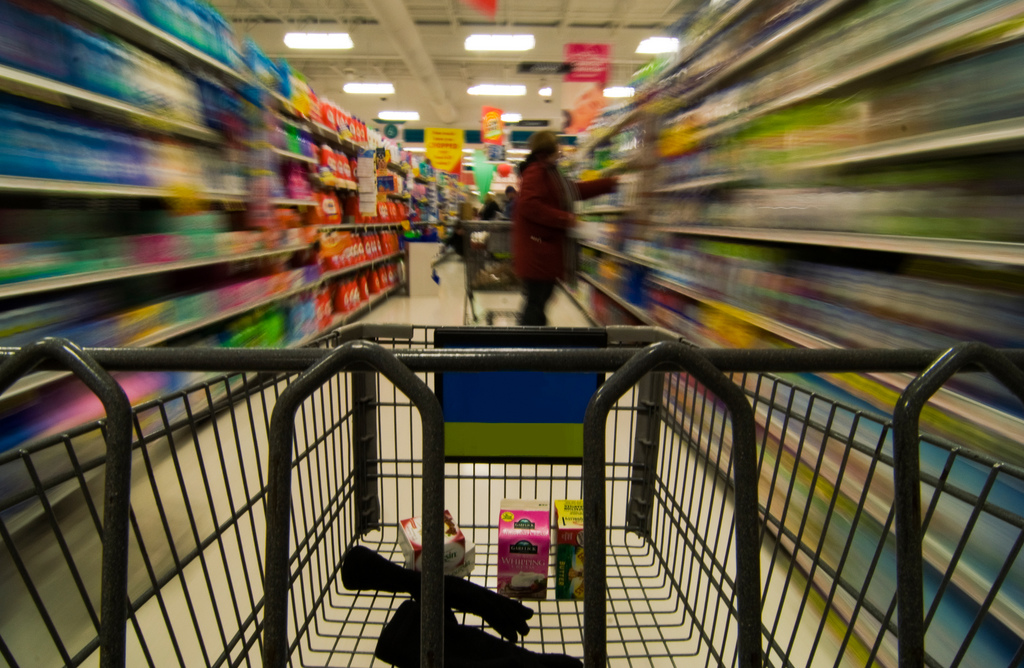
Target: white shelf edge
(996,252)
(606,210)
(620,255)
(356,267)
(703,182)
(45,89)
(293,156)
(361,226)
(36,286)
(284,201)
(97,189)
(629,308)
(886,59)
(1004,134)
(137,30)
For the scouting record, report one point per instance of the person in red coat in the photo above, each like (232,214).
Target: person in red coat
(542,218)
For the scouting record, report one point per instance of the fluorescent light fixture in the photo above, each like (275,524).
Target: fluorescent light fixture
(618,91)
(318,40)
(399,115)
(658,45)
(545,92)
(500,42)
(518,151)
(497,89)
(369,88)
(511,118)
(416,149)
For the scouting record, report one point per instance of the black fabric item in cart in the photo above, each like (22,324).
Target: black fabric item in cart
(365,569)
(464,646)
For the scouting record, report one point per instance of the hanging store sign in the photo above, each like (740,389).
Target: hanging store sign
(544,68)
(444,149)
(492,128)
(583,89)
(536,123)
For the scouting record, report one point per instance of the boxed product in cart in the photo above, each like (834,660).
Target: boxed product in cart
(524,542)
(569,549)
(459,551)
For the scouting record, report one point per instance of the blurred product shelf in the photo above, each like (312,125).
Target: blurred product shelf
(137,30)
(62,95)
(633,310)
(294,156)
(74,280)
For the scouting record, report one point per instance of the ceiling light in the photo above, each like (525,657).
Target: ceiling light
(518,151)
(399,115)
(500,42)
(545,92)
(618,91)
(511,118)
(416,149)
(658,45)
(318,40)
(497,89)
(369,88)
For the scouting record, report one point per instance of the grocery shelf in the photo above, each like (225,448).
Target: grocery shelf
(998,252)
(60,94)
(727,19)
(346,185)
(622,256)
(399,197)
(293,156)
(137,30)
(93,189)
(362,226)
(397,168)
(50,284)
(175,331)
(947,400)
(284,201)
(635,311)
(753,57)
(996,136)
(343,319)
(362,265)
(579,303)
(885,59)
(606,210)
(703,183)
(420,179)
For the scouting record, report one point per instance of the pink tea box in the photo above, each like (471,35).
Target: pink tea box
(524,542)
(459,551)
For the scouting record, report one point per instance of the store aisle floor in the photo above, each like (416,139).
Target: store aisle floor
(448,308)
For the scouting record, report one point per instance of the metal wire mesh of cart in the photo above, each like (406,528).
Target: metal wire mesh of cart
(824,478)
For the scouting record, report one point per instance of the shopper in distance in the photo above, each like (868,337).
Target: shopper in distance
(542,217)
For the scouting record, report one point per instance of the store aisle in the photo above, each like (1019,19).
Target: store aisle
(449,307)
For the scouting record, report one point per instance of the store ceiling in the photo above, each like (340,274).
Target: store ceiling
(428,79)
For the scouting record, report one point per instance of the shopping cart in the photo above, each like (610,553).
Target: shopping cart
(488,261)
(730,519)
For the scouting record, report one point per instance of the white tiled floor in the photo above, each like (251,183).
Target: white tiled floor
(449,307)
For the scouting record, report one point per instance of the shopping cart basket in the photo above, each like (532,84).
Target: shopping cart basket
(488,261)
(731,520)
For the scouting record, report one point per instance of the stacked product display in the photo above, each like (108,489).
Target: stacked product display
(166,183)
(831,174)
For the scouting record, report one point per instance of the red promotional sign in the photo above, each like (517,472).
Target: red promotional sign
(492,130)
(488,8)
(589,62)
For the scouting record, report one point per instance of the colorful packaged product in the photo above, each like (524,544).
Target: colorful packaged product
(459,551)
(569,549)
(524,542)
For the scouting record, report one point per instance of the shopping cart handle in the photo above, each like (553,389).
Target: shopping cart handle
(277,579)
(117,478)
(672,356)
